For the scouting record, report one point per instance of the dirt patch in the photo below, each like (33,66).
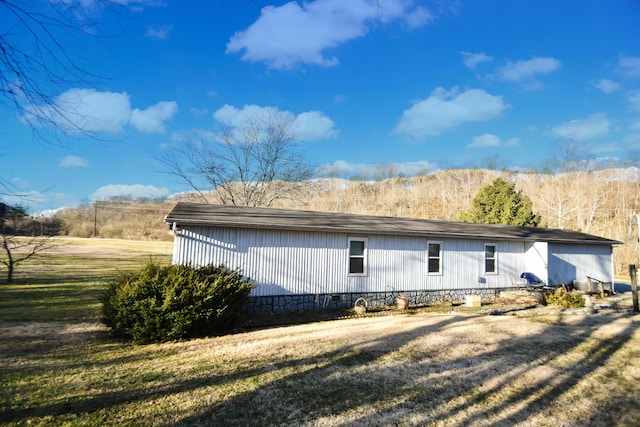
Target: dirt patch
(105,248)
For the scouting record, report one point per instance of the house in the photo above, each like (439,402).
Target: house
(302,260)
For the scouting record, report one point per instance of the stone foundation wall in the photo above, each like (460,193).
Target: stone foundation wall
(272,304)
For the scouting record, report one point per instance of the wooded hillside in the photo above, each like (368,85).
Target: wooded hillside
(605,203)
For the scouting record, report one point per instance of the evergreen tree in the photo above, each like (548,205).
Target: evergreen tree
(500,203)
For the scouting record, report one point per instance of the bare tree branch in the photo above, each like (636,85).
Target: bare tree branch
(36,66)
(18,251)
(254,165)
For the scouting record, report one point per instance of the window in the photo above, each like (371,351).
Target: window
(434,258)
(357,257)
(490,258)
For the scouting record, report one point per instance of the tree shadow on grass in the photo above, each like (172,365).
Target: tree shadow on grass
(546,395)
(471,389)
(408,377)
(51,302)
(86,403)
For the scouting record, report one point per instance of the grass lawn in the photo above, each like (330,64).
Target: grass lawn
(59,365)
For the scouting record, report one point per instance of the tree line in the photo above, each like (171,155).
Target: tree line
(604,203)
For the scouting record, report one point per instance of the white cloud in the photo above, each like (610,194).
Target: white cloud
(136,4)
(472,60)
(91,111)
(606,86)
(135,191)
(159,31)
(488,140)
(343,168)
(233,117)
(629,66)
(592,127)
(85,110)
(419,17)
(485,140)
(634,100)
(86,10)
(444,110)
(526,71)
(73,162)
(300,33)
(308,126)
(314,125)
(152,119)
(38,202)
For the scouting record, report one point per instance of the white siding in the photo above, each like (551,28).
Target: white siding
(281,262)
(294,262)
(537,259)
(571,262)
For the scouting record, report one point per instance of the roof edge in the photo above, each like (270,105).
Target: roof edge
(199,214)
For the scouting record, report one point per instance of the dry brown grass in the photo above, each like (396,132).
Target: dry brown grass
(423,369)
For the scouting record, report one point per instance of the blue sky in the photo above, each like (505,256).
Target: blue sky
(421,85)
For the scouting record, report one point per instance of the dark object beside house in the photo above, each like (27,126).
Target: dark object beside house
(532,282)
(593,286)
(531,279)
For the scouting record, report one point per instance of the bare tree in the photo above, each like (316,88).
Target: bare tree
(567,156)
(19,248)
(256,164)
(555,195)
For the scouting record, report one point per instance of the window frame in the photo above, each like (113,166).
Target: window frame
(439,258)
(365,242)
(494,258)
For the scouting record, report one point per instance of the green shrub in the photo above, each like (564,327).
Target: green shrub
(162,303)
(563,298)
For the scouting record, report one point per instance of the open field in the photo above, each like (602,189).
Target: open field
(65,282)
(526,367)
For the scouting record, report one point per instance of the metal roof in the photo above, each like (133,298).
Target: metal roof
(288,219)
